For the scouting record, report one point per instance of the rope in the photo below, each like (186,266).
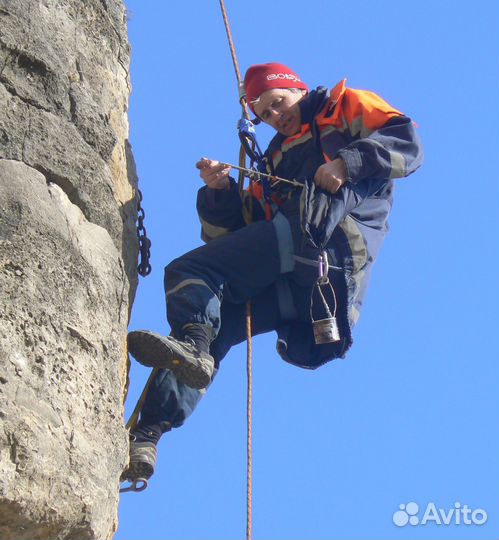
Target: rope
(249,418)
(132,421)
(244,106)
(234,59)
(249,395)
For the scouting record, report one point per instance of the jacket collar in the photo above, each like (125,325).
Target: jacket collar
(312,103)
(310,106)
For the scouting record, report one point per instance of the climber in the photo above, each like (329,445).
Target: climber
(345,147)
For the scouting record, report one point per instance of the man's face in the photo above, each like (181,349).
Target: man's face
(279,108)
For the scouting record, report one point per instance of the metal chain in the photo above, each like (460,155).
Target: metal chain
(144,268)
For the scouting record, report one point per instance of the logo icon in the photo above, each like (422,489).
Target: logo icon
(459,514)
(406,514)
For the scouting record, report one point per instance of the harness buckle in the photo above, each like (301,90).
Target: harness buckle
(325,329)
(323,268)
(246,126)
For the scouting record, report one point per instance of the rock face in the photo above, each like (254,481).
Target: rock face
(67,265)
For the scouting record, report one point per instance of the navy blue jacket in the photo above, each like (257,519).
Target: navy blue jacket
(377,144)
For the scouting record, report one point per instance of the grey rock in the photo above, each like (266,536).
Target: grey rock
(68,255)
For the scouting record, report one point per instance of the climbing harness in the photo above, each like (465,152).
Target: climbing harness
(144,268)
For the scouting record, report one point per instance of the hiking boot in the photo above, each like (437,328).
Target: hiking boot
(190,365)
(143,456)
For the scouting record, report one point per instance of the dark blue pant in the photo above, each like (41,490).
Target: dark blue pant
(269,263)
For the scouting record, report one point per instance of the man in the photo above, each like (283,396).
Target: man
(342,148)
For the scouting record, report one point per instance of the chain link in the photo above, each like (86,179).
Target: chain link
(144,268)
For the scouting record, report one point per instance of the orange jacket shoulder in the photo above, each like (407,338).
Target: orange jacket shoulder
(349,105)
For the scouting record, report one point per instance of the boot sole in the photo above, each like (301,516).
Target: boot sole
(137,471)
(151,350)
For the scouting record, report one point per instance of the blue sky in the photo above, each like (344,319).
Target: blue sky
(412,414)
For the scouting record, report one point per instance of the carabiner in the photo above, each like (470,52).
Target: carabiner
(323,268)
(136,486)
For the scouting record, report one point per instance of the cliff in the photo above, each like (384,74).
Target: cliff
(67,265)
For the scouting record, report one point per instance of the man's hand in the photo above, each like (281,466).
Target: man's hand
(214,174)
(331,176)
